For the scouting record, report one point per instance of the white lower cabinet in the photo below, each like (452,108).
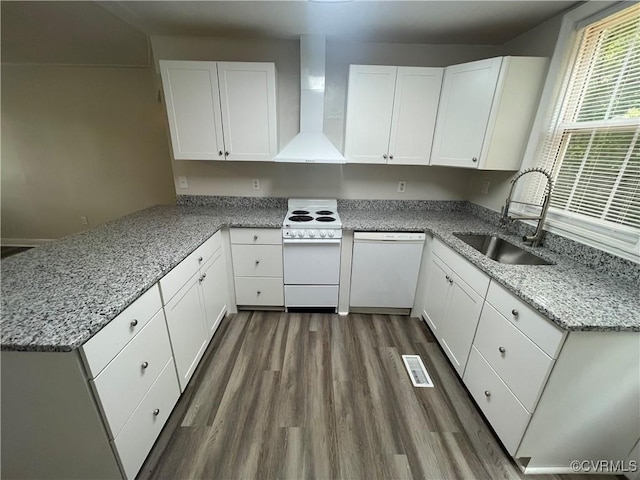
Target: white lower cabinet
(505,413)
(214,292)
(452,306)
(141,430)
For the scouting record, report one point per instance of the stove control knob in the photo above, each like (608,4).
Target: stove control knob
(312,233)
(294,233)
(323,233)
(330,234)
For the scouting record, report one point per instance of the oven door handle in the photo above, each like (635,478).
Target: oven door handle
(311,241)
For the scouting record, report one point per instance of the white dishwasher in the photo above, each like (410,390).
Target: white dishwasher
(384,269)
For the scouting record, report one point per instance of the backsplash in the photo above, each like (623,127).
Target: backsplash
(589,256)
(434,205)
(229,201)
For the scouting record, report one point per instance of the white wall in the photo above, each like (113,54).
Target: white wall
(348,181)
(539,41)
(79,141)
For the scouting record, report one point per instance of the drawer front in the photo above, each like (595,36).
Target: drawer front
(539,329)
(311,295)
(123,383)
(256,236)
(477,279)
(139,434)
(257,260)
(507,416)
(519,362)
(259,291)
(106,344)
(181,273)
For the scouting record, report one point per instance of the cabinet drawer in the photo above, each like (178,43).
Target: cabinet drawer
(181,273)
(139,434)
(123,383)
(539,329)
(519,362)
(473,276)
(106,344)
(507,416)
(259,291)
(257,260)
(256,236)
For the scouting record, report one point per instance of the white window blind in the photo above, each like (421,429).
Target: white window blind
(592,147)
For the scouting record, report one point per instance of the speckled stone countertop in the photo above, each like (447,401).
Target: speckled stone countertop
(57,296)
(573,296)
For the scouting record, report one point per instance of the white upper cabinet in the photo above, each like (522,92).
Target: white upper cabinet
(221,110)
(391,114)
(486,111)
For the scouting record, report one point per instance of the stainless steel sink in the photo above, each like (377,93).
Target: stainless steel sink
(501,250)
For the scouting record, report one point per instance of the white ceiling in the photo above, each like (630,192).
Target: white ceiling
(452,21)
(115,32)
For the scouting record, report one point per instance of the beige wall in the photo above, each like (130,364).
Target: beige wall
(348,181)
(79,141)
(539,41)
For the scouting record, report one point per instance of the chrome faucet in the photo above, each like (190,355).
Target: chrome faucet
(506,218)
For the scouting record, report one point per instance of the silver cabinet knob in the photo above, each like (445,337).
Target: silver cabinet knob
(447,277)
(474,159)
(487,393)
(258,292)
(204,275)
(384,156)
(145,365)
(156,412)
(201,278)
(257,262)
(134,322)
(451,280)
(390,157)
(226,154)
(220,153)
(502,349)
(200,259)
(514,312)
(255,237)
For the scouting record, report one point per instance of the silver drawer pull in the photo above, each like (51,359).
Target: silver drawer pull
(204,275)
(200,259)
(156,412)
(487,393)
(255,237)
(257,262)
(258,292)
(447,277)
(145,364)
(514,312)
(451,280)
(134,322)
(502,349)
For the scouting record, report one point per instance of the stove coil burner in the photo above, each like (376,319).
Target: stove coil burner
(301,218)
(324,212)
(300,212)
(325,219)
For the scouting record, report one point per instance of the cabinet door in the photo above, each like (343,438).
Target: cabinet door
(437,293)
(463,114)
(248,100)
(369,110)
(214,292)
(461,319)
(193,109)
(186,329)
(414,115)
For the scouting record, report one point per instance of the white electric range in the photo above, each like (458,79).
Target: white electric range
(312,239)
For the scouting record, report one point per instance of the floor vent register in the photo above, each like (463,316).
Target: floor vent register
(418,374)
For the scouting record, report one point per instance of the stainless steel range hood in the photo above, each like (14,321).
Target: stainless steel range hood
(311,145)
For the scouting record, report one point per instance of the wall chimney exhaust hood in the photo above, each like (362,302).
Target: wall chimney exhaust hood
(311,145)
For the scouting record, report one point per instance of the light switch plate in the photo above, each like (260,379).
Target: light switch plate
(402,186)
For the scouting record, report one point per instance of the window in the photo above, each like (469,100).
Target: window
(592,144)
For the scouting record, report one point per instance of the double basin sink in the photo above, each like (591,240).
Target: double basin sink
(501,250)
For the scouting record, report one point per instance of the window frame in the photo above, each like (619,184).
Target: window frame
(619,240)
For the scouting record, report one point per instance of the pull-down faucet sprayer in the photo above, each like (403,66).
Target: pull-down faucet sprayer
(506,218)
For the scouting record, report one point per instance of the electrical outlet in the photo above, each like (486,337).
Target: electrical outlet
(84,220)
(182,181)
(402,186)
(256,184)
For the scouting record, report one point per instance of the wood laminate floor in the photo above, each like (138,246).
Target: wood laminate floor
(295,396)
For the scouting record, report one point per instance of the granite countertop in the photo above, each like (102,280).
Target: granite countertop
(57,296)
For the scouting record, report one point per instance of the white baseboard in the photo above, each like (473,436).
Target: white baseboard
(24,242)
